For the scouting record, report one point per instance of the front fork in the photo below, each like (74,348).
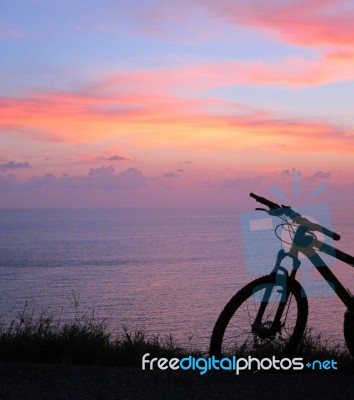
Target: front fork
(282,279)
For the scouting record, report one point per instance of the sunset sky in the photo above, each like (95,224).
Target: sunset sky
(159,103)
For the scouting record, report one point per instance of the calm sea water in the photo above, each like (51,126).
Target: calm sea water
(166,271)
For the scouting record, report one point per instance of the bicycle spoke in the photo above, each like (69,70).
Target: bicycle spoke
(240,334)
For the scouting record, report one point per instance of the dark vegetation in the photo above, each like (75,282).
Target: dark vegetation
(86,340)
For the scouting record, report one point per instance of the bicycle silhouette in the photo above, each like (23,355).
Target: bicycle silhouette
(271,312)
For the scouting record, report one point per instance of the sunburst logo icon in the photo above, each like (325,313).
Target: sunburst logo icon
(297,181)
(263,235)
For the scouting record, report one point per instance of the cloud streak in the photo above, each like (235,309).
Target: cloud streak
(170,175)
(11,165)
(105,178)
(155,118)
(115,157)
(308,23)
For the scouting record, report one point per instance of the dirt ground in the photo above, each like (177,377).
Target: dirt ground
(51,382)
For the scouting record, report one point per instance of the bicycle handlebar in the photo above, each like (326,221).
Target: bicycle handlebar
(293,215)
(329,233)
(265,201)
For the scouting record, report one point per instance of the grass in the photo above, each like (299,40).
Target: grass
(86,340)
(315,347)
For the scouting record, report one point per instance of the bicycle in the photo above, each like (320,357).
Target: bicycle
(270,313)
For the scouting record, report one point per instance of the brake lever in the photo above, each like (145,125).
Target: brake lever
(261,209)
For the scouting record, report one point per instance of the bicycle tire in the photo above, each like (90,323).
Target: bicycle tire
(349,331)
(282,346)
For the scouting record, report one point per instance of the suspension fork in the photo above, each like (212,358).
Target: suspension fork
(282,280)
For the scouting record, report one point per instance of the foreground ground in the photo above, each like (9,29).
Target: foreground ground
(51,382)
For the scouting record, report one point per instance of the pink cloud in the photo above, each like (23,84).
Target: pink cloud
(301,22)
(298,22)
(322,25)
(162,19)
(11,33)
(150,109)
(188,80)
(183,123)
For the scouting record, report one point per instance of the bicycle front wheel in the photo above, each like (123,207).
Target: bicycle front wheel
(349,331)
(239,332)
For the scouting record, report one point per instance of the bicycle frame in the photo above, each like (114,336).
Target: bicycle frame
(309,246)
(312,254)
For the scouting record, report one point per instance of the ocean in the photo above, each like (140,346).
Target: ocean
(161,270)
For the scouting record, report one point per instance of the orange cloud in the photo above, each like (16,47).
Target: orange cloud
(155,122)
(148,111)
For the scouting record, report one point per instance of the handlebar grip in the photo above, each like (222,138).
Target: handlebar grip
(265,201)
